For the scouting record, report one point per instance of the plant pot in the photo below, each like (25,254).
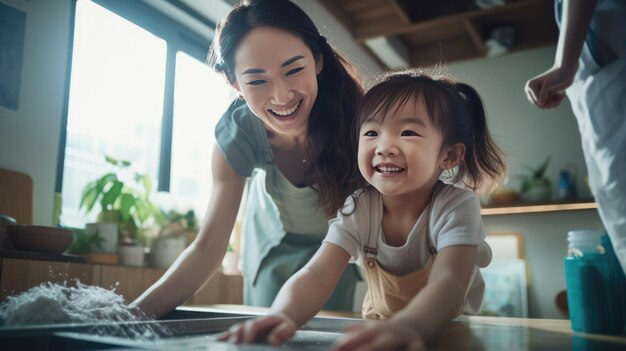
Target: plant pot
(132,255)
(107,232)
(537,190)
(166,250)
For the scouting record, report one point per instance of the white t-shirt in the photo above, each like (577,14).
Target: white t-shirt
(454,220)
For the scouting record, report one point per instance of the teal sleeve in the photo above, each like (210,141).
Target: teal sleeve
(237,135)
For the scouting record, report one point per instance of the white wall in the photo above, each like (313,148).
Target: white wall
(29,137)
(526,133)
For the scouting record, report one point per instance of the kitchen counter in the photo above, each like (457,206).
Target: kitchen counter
(195,328)
(40,256)
(483,333)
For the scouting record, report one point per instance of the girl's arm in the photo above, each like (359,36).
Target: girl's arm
(432,308)
(443,297)
(302,296)
(313,284)
(193,268)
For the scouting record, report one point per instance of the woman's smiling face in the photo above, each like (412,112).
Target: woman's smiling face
(276,74)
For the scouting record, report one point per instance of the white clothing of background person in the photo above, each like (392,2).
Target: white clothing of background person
(590,63)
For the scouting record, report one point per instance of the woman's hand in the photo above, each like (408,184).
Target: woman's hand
(546,90)
(383,335)
(274,329)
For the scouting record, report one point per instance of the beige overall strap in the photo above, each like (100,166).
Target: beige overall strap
(371,246)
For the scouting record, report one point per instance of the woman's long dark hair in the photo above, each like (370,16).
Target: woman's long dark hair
(331,143)
(455,109)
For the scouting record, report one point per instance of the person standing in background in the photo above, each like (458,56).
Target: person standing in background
(590,66)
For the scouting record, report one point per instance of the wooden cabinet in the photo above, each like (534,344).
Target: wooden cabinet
(18,275)
(445,31)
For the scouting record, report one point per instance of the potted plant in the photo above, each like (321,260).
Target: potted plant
(89,245)
(177,231)
(536,187)
(83,242)
(123,199)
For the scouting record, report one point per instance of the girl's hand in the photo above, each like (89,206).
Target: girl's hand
(274,329)
(384,335)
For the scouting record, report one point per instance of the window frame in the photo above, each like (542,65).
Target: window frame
(178,38)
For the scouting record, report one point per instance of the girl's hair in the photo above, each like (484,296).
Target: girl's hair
(455,109)
(331,143)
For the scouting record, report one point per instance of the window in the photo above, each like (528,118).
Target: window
(193,137)
(140,93)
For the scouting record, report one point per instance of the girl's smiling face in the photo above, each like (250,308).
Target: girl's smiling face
(276,73)
(400,152)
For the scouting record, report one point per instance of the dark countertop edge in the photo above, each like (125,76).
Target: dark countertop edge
(41,256)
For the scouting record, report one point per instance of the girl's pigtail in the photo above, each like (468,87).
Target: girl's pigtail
(484,160)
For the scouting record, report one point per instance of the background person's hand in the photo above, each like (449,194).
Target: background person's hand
(383,335)
(546,89)
(274,329)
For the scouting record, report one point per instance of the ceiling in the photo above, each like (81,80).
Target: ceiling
(401,33)
(412,33)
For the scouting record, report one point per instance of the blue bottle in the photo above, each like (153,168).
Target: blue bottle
(595,284)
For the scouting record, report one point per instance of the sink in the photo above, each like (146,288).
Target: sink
(189,329)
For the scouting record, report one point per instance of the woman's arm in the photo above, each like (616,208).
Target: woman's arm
(302,296)
(193,268)
(440,301)
(546,89)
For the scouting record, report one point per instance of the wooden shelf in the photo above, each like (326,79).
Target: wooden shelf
(442,32)
(519,208)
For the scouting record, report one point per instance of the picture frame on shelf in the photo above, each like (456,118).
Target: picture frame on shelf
(506,289)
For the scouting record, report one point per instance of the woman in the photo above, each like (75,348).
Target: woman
(291,139)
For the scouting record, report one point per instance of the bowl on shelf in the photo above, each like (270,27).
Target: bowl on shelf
(40,238)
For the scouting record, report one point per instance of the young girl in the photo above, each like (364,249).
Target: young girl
(419,240)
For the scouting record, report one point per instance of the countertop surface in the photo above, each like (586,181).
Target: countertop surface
(195,328)
(41,256)
(487,333)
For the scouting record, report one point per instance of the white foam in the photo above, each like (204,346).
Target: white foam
(51,303)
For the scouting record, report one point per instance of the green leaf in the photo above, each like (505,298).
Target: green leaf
(89,196)
(116,162)
(83,242)
(111,195)
(145,181)
(104,181)
(143,210)
(542,168)
(127,201)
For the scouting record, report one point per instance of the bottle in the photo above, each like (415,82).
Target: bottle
(594,282)
(567,185)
